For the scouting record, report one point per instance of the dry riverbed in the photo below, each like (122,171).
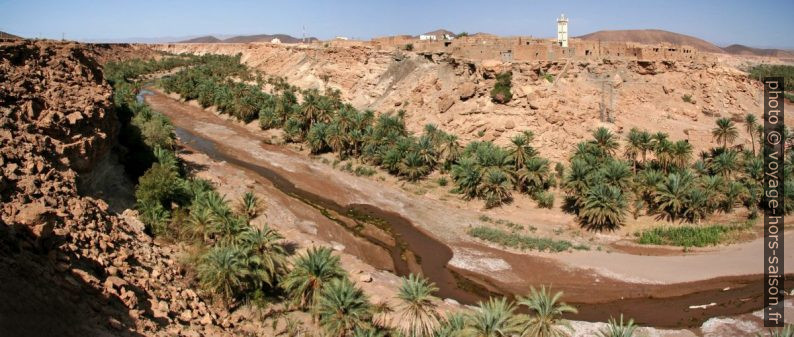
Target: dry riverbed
(598,282)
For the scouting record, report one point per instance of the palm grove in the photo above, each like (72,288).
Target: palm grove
(650,174)
(236,261)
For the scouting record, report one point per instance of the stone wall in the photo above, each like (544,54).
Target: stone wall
(527,48)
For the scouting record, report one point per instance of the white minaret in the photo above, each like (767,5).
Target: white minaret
(562,31)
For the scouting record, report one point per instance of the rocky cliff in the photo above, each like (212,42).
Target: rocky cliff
(561,101)
(69,266)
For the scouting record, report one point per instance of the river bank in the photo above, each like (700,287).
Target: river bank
(613,284)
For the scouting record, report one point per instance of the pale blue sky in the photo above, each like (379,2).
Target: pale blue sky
(756,23)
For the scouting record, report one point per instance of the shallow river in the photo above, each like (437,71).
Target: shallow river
(417,251)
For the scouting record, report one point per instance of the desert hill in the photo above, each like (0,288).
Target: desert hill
(738,49)
(203,39)
(652,36)
(4,35)
(284,38)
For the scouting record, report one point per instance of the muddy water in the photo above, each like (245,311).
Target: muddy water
(415,252)
(412,250)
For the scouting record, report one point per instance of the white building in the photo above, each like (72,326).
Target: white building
(275,40)
(562,31)
(343,38)
(434,37)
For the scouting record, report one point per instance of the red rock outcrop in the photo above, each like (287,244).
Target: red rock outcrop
(69,267)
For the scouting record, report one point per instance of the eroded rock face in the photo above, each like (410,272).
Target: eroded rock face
(69,267)
(560,101)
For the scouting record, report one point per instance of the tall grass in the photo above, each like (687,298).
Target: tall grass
(690,236)
(522,242)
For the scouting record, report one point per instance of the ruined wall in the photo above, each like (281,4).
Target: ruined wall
(526,48)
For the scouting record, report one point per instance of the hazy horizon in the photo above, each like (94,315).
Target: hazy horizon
(762,24)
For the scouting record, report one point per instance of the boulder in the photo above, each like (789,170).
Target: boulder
(366,278)
(466,90)
(444,103)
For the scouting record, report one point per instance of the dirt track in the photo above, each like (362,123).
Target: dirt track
(619,282)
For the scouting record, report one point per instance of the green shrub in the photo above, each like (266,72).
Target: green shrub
(545,199)
(501,91)
(688,236)
(522,242)
(442,181)
(760,71)
(364,171)
(687,98)
(548,77)
(160,184)
(409,47)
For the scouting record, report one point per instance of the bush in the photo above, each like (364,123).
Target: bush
(544,199)
(364,171)
(522,242)
(687,98)
(688,236)
(501,91)
(442,181)
(409,47)
(161,184)
(768,70)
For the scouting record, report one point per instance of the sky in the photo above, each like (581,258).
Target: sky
(759,23)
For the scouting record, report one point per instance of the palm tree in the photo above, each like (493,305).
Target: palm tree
(467,177)
(452,326)
(697,207)
(605,140)
(520,150)
(663,150)
(342,308)
(418,314)
(633,147)
(751,123)
(368,332)
(249,205)
(734,193)
(533,175)
(725,132)
(545,311)
(311,106)
(316,137)
(337,139)
(310,272)
(618,328)
(433,133)
(413,166)
(426,148)
(494,318)
(603,207)
(199,224)
(681,153)
(616,173)
(382,314)
(223,270)
(671,195)
(495,188)
(450,148)
(266,254)
(725,163)
(645,143)
(577,180)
